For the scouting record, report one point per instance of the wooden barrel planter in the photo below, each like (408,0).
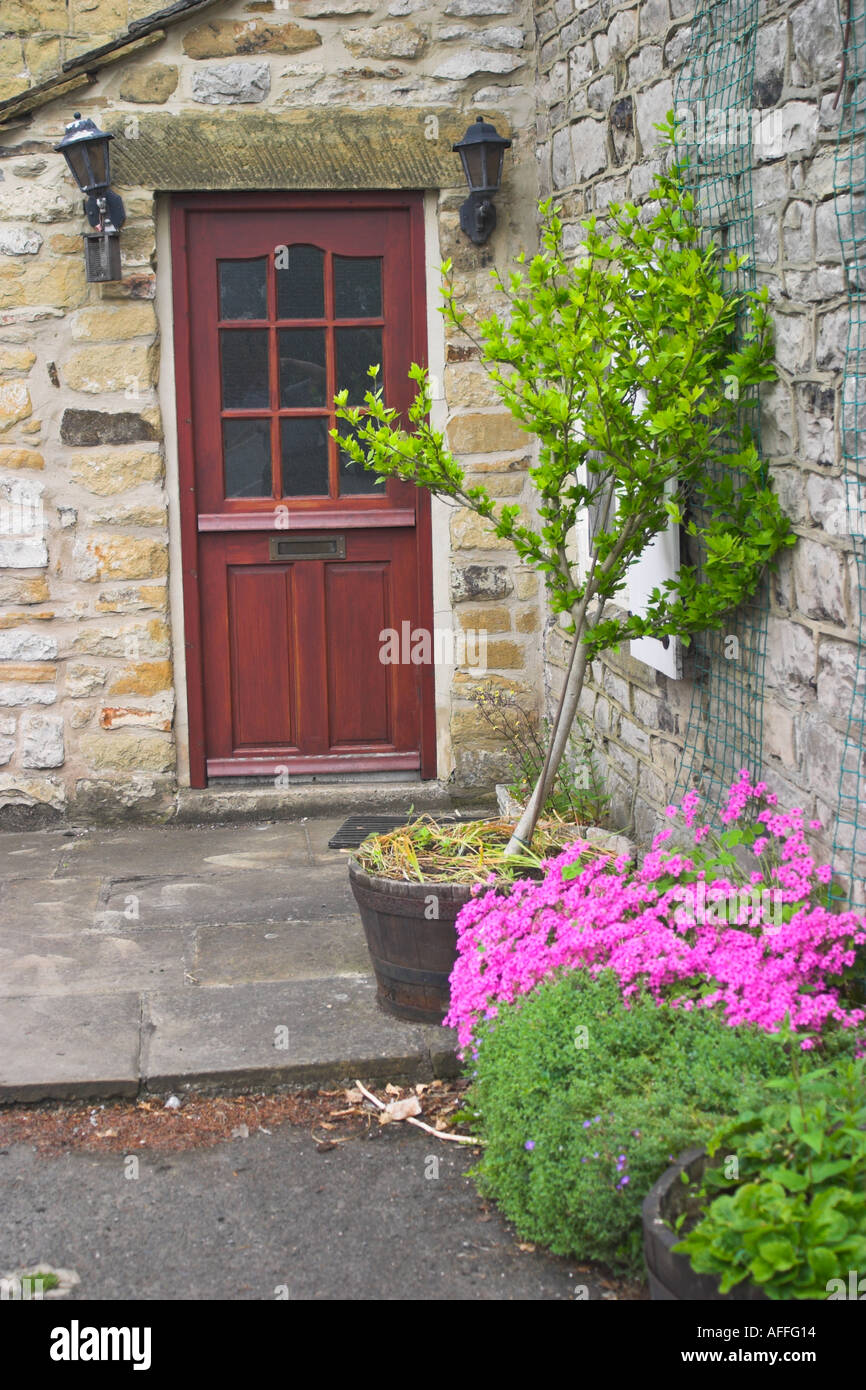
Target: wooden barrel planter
(413,953)
(671,1276)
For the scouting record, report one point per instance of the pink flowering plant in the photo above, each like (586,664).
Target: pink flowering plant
(736,921)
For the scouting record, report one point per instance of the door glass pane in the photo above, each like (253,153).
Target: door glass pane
(243,289)
(358,349)
(304,442)
(300,282)
(354,478)
(244,364)
(247,455)
(358,287)
(303,379)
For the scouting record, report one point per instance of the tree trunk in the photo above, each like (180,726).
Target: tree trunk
(525,829)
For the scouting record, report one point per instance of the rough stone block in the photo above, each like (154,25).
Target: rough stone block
(119,557)
(109,474)
(37,203)
(479,582)
(23,554)
(828,504)
(470,532)
(116,368)
(82,679)
(485,619)
(232,84)
(588,148)
(786,130)
(791,657)
(226,38)
(151,84)
(15,403)
(107,324)
(780,739)
(838,671)
(42,740)
(15,457)
(563,163)
(19,241)
(485,433)
(89,427)
(793,340)
(820,581)
(474,9)
(127,752)
(832,339)
(142,678)
(817,42)
(386,41)
(460,66)
(651,108)
(797,233)
(27,646)
(815,410)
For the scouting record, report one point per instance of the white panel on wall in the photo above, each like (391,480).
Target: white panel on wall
(660,561)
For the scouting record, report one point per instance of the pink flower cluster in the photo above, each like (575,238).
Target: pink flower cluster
(666,927)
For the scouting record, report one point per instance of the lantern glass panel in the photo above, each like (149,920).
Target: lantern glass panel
(76,158)
(473,164)
(98,151)
(495,156)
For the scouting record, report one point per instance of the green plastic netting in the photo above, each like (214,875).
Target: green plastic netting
(713,106)
(849,847)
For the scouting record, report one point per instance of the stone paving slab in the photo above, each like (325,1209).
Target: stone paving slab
(63,904)
(301,950)
(34,853)
(47,962)
(300,894)
(186,946)
(181,849)
(58,1048)
(304,1031)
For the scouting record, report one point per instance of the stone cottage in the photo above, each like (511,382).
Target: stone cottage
(192,580)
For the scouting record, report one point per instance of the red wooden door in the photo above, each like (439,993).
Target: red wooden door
(295,561)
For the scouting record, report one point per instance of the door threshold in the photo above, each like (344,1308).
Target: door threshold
(326,778)
(237,799)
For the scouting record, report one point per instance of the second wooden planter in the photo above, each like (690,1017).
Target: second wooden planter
(671,1276)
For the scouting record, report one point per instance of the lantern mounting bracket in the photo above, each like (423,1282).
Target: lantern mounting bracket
(478,217)
(112,210)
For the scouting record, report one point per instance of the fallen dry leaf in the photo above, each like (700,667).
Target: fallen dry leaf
(529,1249)
(400,1110)
(354,1096)
(393,1090)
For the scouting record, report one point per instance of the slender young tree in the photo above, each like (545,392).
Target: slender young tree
(631,368)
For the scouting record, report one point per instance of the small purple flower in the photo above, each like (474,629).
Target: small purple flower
(587,1123)
(529,1145)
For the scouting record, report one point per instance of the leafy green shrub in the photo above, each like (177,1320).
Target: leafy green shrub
(794,1217)
(583,1103)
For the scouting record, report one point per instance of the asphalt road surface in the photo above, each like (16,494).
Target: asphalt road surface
(391,1216)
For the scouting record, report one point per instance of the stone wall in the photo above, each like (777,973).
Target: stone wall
(88,689)
(606,76)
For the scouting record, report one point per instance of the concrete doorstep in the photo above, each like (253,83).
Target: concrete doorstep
(190,958)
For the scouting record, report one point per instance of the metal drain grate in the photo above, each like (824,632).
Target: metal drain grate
(358,827)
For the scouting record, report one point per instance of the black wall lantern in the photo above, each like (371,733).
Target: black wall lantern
(481,151)
(85,149)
